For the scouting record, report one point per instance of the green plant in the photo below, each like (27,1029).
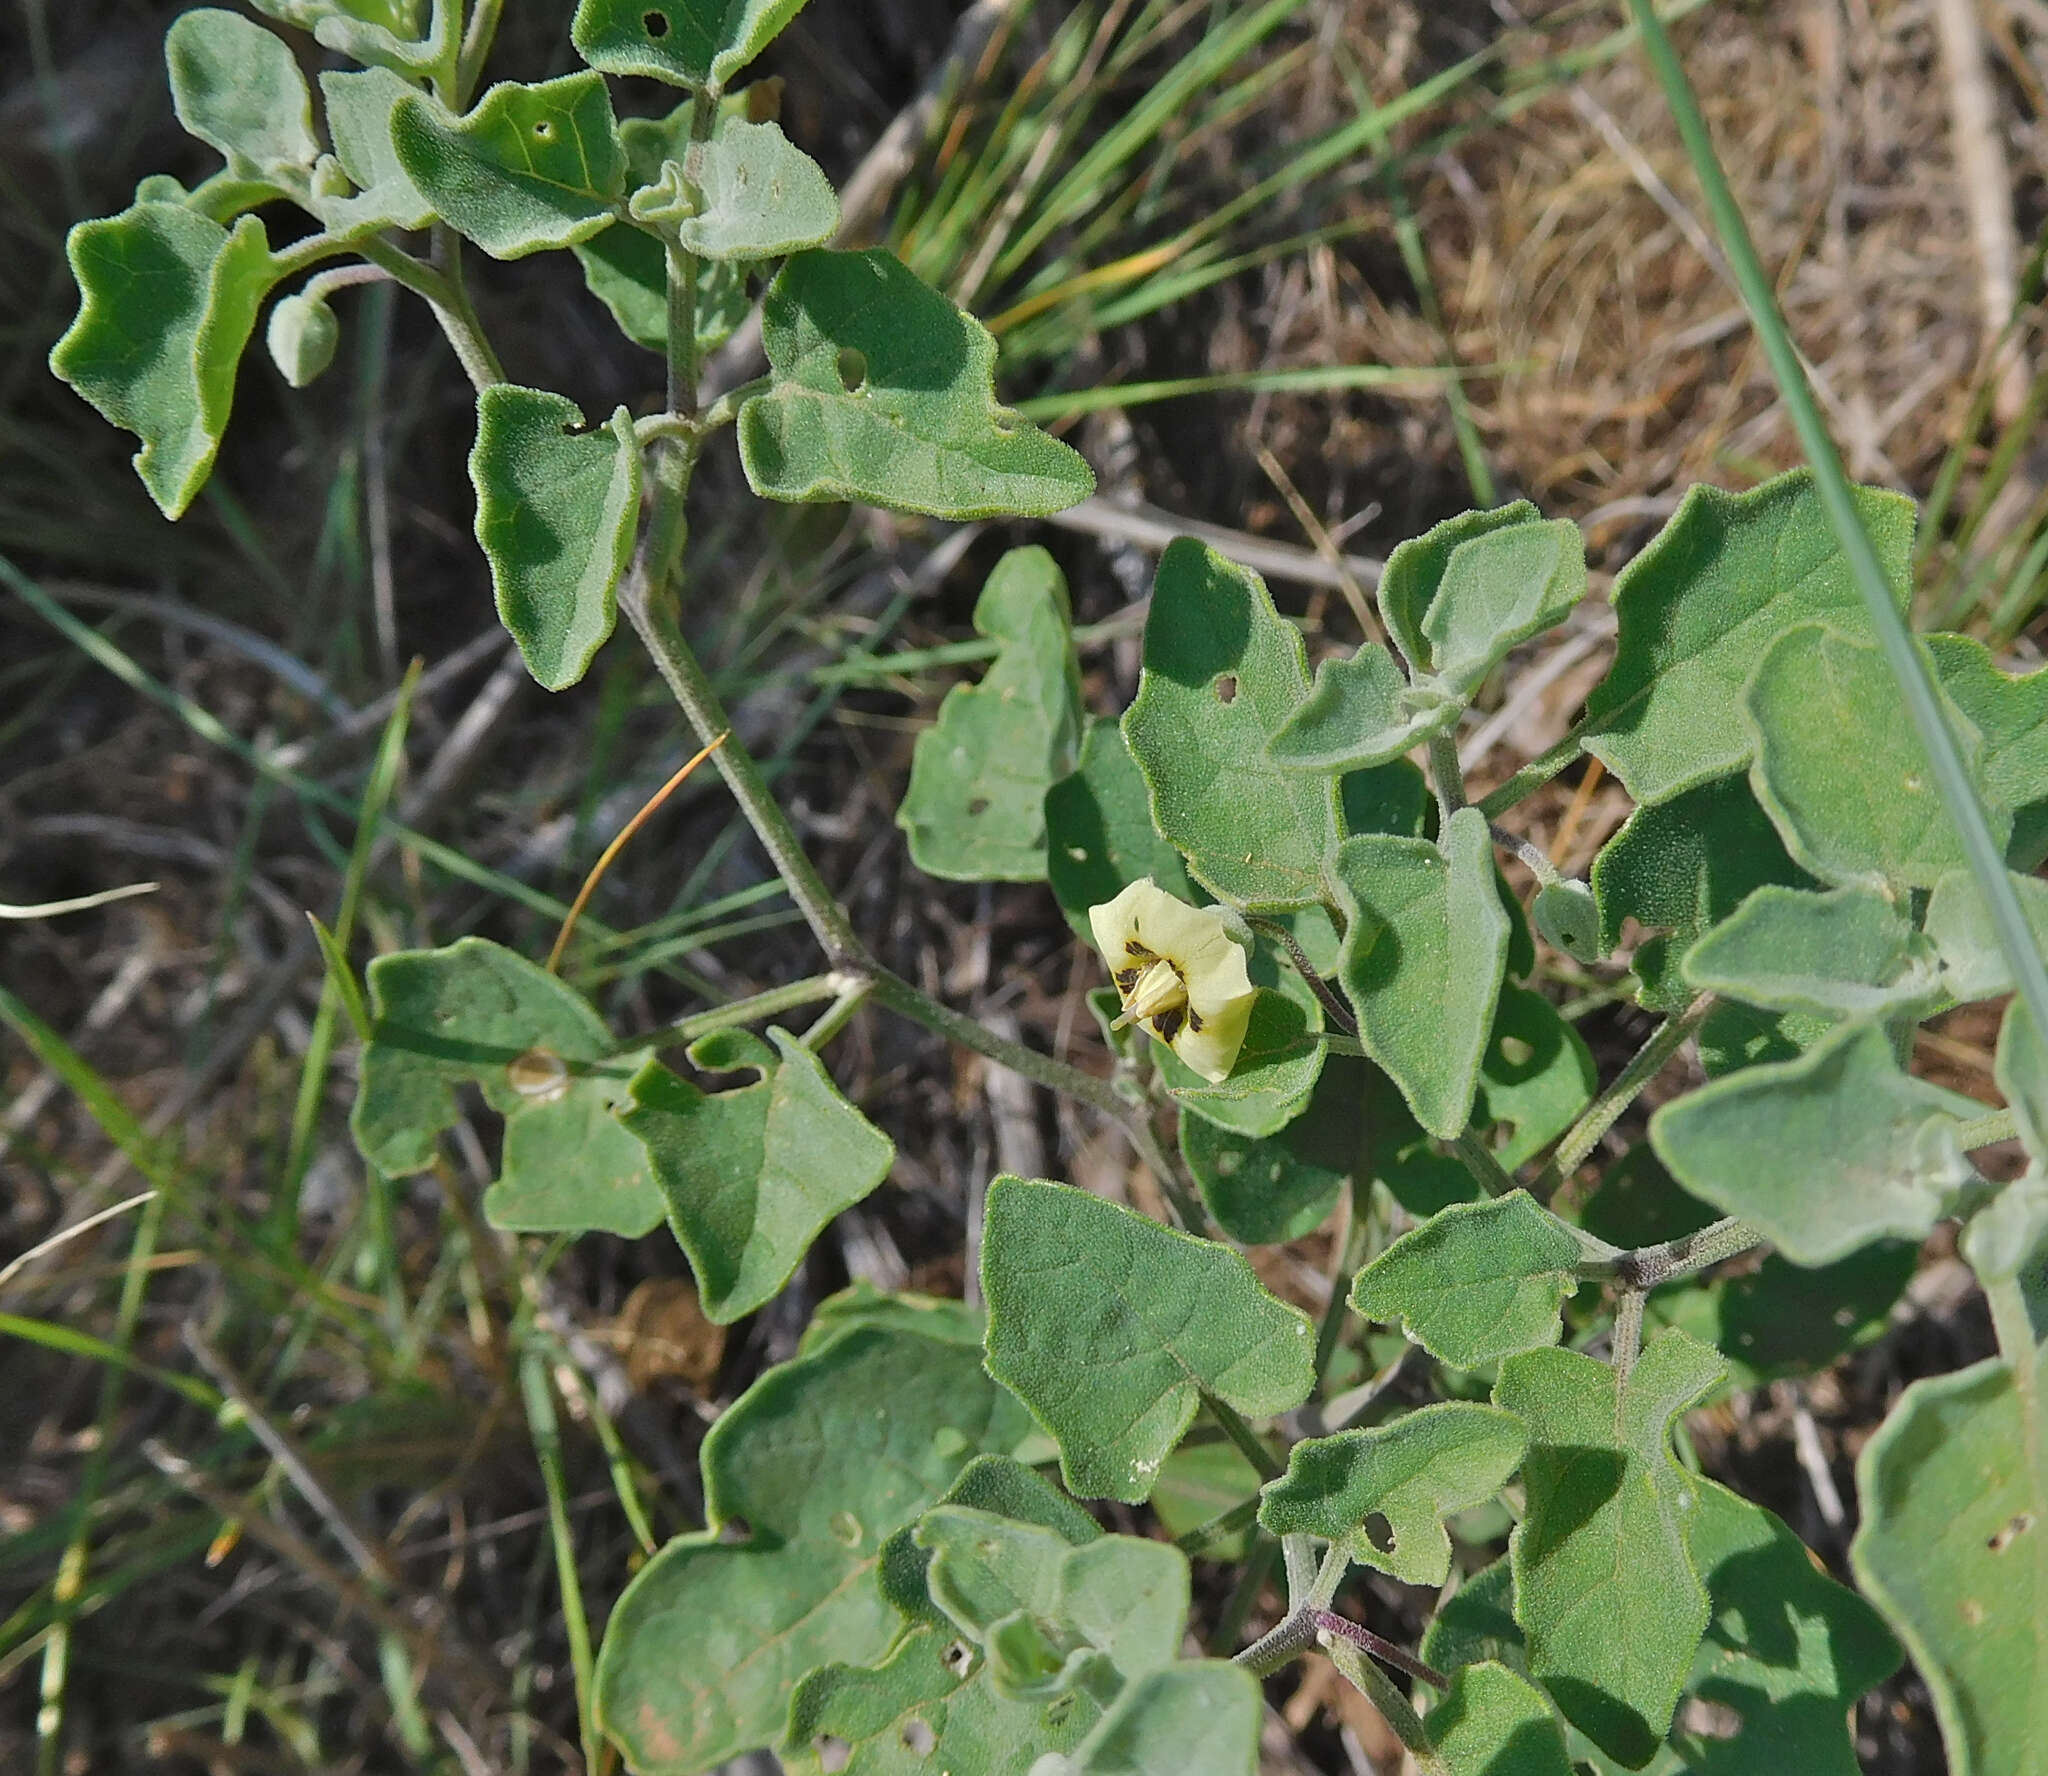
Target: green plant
(887,1575)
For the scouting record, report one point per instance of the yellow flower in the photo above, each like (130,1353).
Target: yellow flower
(1179,973)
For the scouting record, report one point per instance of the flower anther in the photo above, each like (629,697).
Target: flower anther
(1179,972)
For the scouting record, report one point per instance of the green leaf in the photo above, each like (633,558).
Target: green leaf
(1415,572)
(556,510)
(1959,925)
(237,87)
(1223,672)
(821,1461)
(752,1176)
(1198,1483)
(168,299)
(1275,1072)
(1493,1723)
(2021,1069)
(1780,1319)
(860,1304)
(2006,1242)
(1498,589)
(1842,775)
(301,338)
(1843,954)
(1410,1474)
(1267,1190)
(626,269)
(1111,1327)
(1360,712)
(2011,713)
(359,107)
(1955,1509)
(996,1484)
(1681,867)
(1725,577)
(1389,798)
(1476,1281)
(1404,1158)
(528,168)
(975,809)
(477,1014)
(1735,1036)
(1536,1075)
(1099,833)
(762,195)
(1422,961)
(884,392)
(1200,1718)
(1609,1600)
(685,42)
(1822,1154)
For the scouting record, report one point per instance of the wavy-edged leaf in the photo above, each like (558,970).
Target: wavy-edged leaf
(1726,576)
(883,391)
(1276,1070)
(168,299)
(527,168)
(975,808)
(1415,572)
(1498,589)
(1264,1190)
(1535,1077)
(2011,713)
(1410,1475)
(1960,926)
(752,1176)
(359,107)
(1476,1281)
(1360,712)
(1099,832)
(1111,1328)
(685,42)
(1493,1722)
(556,509)
(478,1014)
(762,196)
(1222,673)
(237,87)
(1847,953)
(1199,1718)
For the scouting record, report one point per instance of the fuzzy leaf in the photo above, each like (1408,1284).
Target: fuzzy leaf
(477,1014)
(684,42)
(1415,572)
(1111,1327)
(237,87)
(1679,868)
(1955,1508)
(1404,1158)
(1959,926)
(1843,954)
(752,1176)
(1264,1190)
(526,169)
(1199,1718)
(556,509)
(762,195)
(821,1461)
(1274,1074)
(1223,672)
(626,269)
(168,299)
(1607,1595)
(1842,772)
(2021,1069)
(1494,1723)
(1099,833)
(359,108)
(1360,712)
(2011,713)
(1824,1153)
(1422,961)
(1499,589)
(2006,1241)
(1411,1474)
(884,392)
(1476,1281)
(1536,1076)
(975,809)
(1718,584)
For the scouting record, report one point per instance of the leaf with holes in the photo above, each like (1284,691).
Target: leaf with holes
(752,1176)
(1493,1722)
(1536,1075)
(1404,1158)
(527,169)
(1679,868)
(815,1466)
(1411,1474)
(975,809)
(1475,1282)
(1422,962)
(1361,712)
(1954,1492)
(359,108)
(685,42)
(762,196)
(477,1014)
(1099,832)
(556,509)
(167,301)
(883,391)
(1198,1718)
(1415,573)
(1843,954)
(2011,713)
(1607,1595)
(1728,575)
(1265,1190)
(1959,925)
(1270,1082)
(1843,776)
(1111,1328)
(237,87)
(1824,1153)
(1223,673)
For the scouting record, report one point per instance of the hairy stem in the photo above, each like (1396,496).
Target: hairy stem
(1480,1162)
(1625,1343)
(1531,777)
(1249,1443)
(450,302)
(1395,1708)
(813,990)
(1446,775)
(1648,1267)
(1605,1110)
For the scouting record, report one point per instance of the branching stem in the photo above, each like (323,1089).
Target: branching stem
(1606,1109)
